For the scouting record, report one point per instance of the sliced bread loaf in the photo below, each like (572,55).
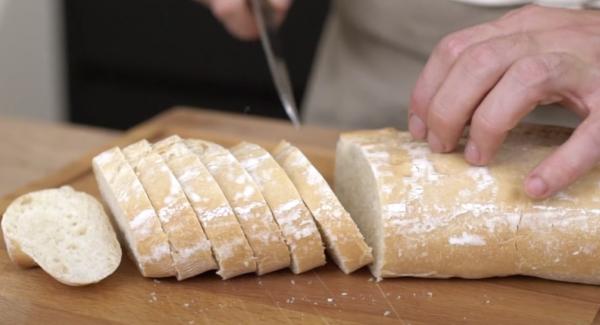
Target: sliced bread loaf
(344,241)
(249,205)
(190,249)
(65,232)
(133,213)
(230,247)
(295,221)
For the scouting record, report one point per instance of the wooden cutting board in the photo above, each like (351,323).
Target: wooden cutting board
(322,296)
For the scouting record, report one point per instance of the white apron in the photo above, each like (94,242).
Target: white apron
(372,51)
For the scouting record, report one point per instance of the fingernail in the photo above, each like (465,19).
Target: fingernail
(536,187)
(434,142)
(472,153)
(417,127)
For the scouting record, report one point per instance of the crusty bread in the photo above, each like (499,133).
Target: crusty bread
(231,249)
(557,238)
(190,249)
(133,214)
(66,233)
(345,243)
(433,215)
(294,218)
(249,205)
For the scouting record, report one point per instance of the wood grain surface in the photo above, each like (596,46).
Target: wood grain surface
(322,296)
(34,149)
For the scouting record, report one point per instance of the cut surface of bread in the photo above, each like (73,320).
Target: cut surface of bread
(344,241)
(433,215)
(249,205)
(295,221)
(66,233)
(229,244)
(190,249)
(133,213)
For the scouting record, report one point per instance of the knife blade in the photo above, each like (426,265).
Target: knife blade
(267,27)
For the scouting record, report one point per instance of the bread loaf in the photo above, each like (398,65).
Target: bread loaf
(65,232)
(190,249)
(134,214)
(230,247)
(249,205)
(433,215)
(344,241)
(294,218)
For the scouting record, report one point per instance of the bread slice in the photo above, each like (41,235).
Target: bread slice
(190,249)
(133,213)
(66,233)
(13,248)
(294,218)
(249,205)
(344,241)
(230,247)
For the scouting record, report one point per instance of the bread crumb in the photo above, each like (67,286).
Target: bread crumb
(386,313)
(487,301)
(330,300)
(430,294)
(293,282)
(156,281)
(371,279)
(153,297)
(186,305)
(344,293)
(290,300)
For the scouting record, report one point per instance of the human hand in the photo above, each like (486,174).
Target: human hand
(237,17)
(494,74)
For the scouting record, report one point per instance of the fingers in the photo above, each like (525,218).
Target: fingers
(546,77)
(525,19)
(281,8)
(470,79)
(569,162)
(238,19)
(434,73)
(540,78)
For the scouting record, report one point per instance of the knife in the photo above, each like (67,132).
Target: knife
(267,27)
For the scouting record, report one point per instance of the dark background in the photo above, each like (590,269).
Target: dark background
(129,60)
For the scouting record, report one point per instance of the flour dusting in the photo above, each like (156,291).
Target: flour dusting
(466,240)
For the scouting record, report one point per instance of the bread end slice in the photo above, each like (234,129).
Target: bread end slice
(344,241)
(67,233)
